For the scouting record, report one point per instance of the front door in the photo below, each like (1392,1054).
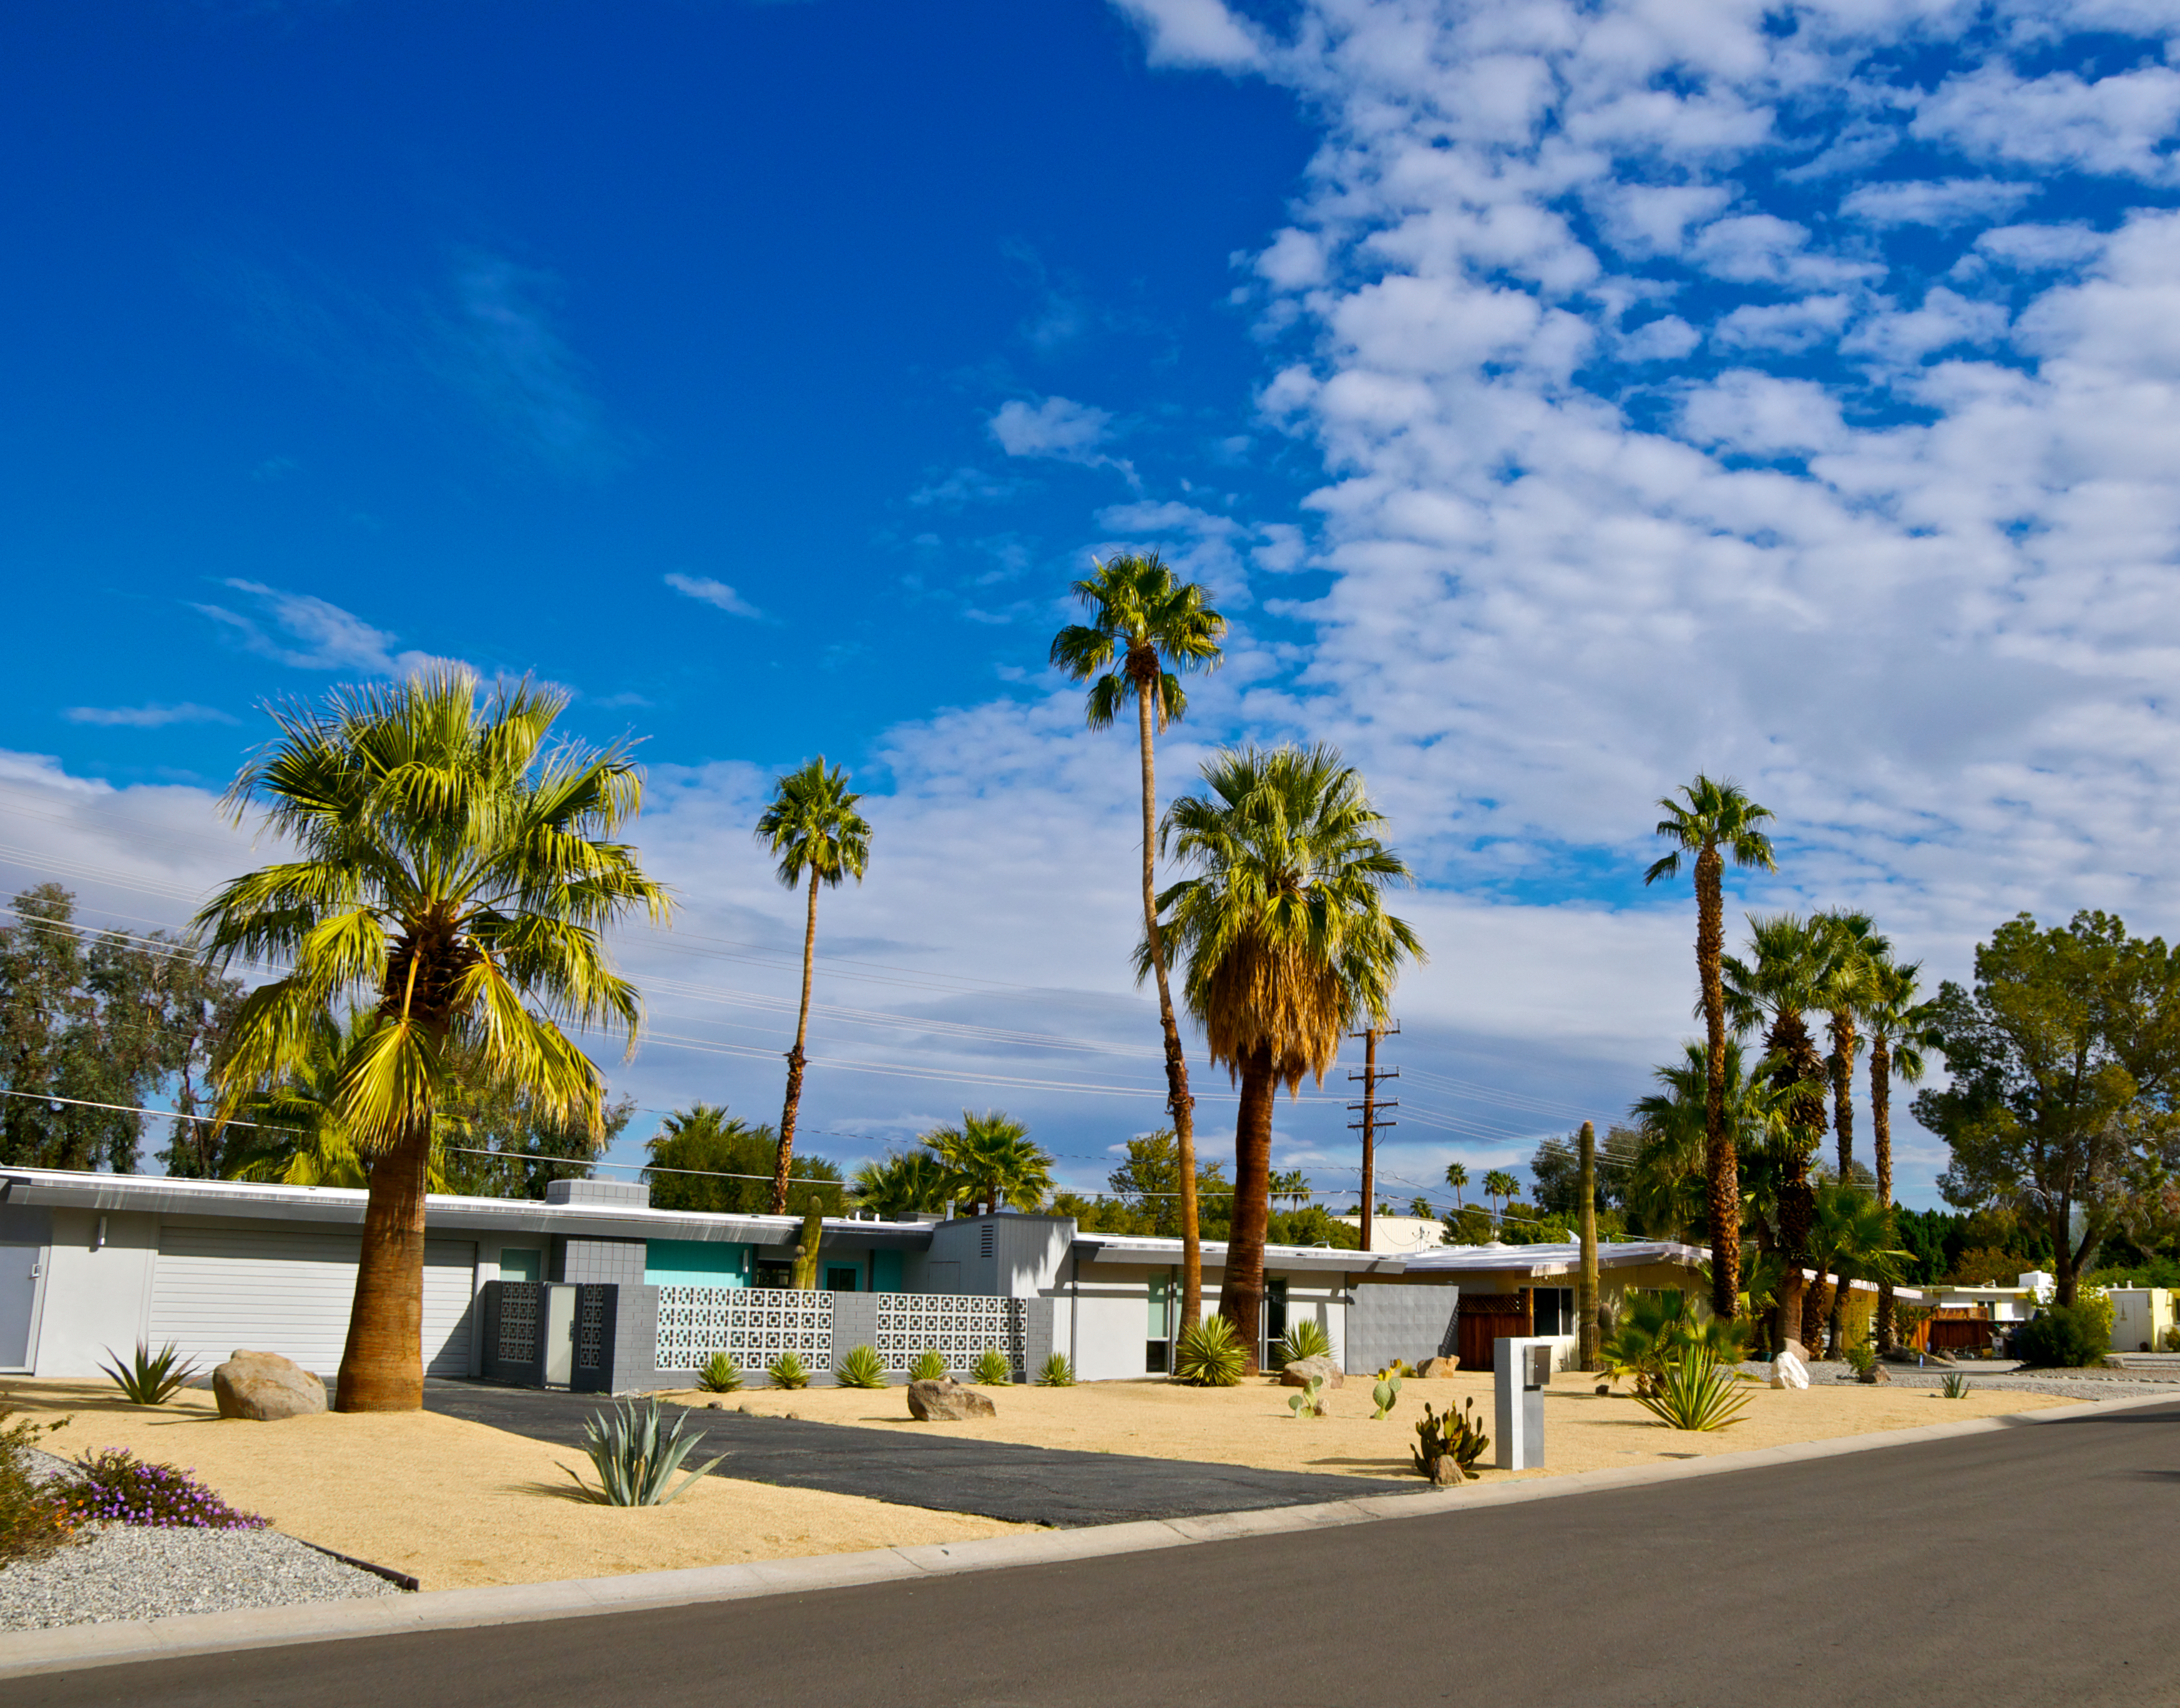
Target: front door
(23,1232)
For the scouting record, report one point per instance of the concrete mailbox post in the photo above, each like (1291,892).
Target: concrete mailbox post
(1520,1369)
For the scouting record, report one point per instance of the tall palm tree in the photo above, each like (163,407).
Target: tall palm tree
(812,825)
(1288,943)
(460,872)
(1500,1187)
(1144,627)
(904,1184)
(1668,1183)
(1784,979)
(1457,1176)
(1902,1025)
(990,1159)
(1718,822)
(1857,947)
(296,1135)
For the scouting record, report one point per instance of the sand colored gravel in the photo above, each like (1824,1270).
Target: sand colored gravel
(457,1504)
(1252,1425)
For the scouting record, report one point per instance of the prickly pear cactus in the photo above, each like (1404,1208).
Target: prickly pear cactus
(1310,1401)
(805,1250)
(1384,1397)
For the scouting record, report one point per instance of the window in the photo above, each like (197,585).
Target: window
(775,1275)
(840,1281)
(522,1265)
(1275,1311)
(1160,1329)
(1555,1311)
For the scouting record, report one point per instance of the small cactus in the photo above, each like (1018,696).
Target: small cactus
(1310,1401)
(1384,1395)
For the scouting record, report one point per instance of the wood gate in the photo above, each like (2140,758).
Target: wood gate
(1488,1318)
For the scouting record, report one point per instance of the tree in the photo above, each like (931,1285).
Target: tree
(531,1146)
(2065,1060)
(1899,1023)
(704,1159)
(913,1183)
(1850,1239)
(1457,1176)
(293,1132)
(813,826)
(1787,974)
(1667,1186)
(1500,1186)
(1144,628)
(990,1160)
(1719,821)
(1148,1182)
(459,873)
(1856,949)
(1289,946)
(1555,1171)
(110,1018)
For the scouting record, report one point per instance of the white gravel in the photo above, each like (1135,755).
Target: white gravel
(128,1572)
(2070,1385)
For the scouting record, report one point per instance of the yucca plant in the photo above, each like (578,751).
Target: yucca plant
(1306,1339)
(1695,1391)
(1955,1386)
(150,1378)
(636,1459)
(992,1370)
(1057,1373)
(862,1368)
(721,1375)
(788,1371)
(928,1367)
(1210,1355)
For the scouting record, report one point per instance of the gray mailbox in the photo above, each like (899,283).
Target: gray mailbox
(1520,1369)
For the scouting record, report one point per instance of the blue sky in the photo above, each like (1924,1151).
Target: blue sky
(1561,399)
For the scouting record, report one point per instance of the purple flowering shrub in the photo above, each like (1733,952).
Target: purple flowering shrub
(113,1486)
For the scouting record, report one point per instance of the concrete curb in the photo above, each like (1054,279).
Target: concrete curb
(73,1647)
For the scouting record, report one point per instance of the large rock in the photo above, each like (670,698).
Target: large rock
(1874,1374)
(1298,1374)
(1432,1369)
(947,1401)
(1788,1371)
(264,1386)
(1795,1349)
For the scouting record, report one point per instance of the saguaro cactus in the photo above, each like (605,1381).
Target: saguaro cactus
(806,1250)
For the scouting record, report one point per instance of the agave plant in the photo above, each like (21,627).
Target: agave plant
(928,1367)
(636,1459)
(788,1371)
(1210,1355)
(862,1368)
(721,1375)
(1306,1339)
(993,1369)
(1955,1386)
(150,1378)
(1056,1372)
(1695,1392)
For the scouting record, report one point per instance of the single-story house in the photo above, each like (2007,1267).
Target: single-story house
(593,1287)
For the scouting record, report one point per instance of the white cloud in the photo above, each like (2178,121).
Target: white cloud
(1193,32)
(2040,248)
(316,634)
(2118,126)
(1941,203)
(1653,219)
(1667,339)
(717,594)
(151,717)
(1057,427)
(1791,327)
(500,345)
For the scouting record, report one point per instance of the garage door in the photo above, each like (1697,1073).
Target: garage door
(216,1289)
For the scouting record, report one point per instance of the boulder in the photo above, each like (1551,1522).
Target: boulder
(1298,1374)
(1874,1374)
(947,1401)
(1432,1369)
(1902,1355)
(1795,1349)
(1788,1371)
(264,1386)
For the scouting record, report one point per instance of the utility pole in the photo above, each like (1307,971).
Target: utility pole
(1371,1121)
(1585,1291)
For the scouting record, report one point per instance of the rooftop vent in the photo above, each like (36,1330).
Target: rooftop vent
(602,1194)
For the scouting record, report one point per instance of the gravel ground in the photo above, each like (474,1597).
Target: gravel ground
(127,1572)
(2072,1385)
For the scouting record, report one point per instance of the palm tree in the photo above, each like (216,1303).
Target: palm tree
(1457,1176)
(1499,1184)
(1288,943)
(1141,621)
(1850,1239)
(903,1185)
(461,872)
(1719,820)
(1787,975)
(990,1159)
(1668,1183)
(1902,1025)
(296,1135)
(813,826)
(1856,948)
(1292,1187)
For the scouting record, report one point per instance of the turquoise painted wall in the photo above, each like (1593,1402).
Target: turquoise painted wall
(695,1263)
(886,1272)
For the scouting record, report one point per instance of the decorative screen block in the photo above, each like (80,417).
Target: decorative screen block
(753,1325)
(590,1326)
(518,1322)
(958,1327)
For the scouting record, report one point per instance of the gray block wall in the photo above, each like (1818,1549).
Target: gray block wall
(612,1262)
(1390,1320)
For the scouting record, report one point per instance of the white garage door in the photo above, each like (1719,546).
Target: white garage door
(217,1289)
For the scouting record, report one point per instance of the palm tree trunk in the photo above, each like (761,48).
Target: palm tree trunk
(1798,1064)
(1242,1295)
(382,1367)
(1176,1060)
(1880,1131)
(786,1157)
(1842,1067)
(1720,1164)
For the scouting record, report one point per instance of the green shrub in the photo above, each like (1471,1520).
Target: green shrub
(862,1368)
(721,1375)
(1210,1355)
(34,1518)
(113,1486)
(1695,1391)
(993,1369)
(150,1378)
(1057,1373)
(2064,1336)
(928,1367)
(788,1371)
(1862,1358)
(636,1459)
(1306,1339)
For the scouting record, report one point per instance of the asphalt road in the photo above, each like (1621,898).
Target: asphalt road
(2028,1566)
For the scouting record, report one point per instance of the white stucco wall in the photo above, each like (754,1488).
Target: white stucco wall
(95,1301)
